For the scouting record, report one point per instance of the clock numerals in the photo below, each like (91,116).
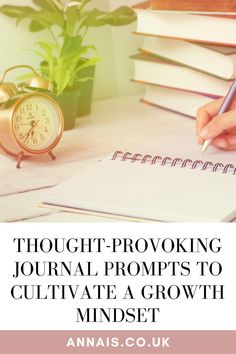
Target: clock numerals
(34,124)
(18,118)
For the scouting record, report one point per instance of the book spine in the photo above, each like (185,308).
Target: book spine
(194,5)
(173,162)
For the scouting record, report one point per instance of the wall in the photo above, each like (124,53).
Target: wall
(114,45)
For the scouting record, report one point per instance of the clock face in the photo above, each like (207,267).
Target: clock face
(37,123)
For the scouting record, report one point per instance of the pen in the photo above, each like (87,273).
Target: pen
(225,106)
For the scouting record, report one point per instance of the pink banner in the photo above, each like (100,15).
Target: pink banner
(119,342)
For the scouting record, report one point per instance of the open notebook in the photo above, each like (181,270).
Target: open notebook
(170,180)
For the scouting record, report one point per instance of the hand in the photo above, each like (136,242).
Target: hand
(222,129)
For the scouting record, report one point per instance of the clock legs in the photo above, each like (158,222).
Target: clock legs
(52,156)
(20,157)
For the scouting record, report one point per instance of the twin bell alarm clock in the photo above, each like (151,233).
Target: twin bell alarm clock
(31,122)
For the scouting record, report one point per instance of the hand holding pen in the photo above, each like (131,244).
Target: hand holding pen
(216,122)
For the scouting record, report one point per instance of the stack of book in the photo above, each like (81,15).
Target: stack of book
(188,55)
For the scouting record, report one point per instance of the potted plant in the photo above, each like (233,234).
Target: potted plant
(64,58)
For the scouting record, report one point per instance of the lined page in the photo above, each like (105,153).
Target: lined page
(152,192)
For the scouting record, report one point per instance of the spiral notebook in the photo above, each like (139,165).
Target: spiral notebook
(181,186)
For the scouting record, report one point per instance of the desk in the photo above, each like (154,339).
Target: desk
(121,123)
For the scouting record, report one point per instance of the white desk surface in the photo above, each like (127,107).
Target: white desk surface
(121,123)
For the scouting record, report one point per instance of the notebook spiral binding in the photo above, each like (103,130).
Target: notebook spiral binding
(153,160)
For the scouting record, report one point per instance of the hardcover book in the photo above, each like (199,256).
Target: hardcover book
(219,6)
(218,61)
(178,101)
(163,73)
(217,30)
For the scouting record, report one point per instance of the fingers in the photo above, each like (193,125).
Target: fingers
(203,118)
(205,115)
(222,129)
(218,125)
(225,141)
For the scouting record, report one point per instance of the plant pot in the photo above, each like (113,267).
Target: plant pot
(77,103)
(68,101)
(86,91)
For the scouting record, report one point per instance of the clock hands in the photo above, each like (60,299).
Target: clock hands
(32,134)
(25,124)
(25,137)
(31,130)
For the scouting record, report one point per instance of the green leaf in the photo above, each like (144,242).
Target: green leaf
(47,48)
(49,18)
(42,55)
(15,11)
(63,60)
(45,4)
(24,16)
(46,72)
(121,16)
(36,26)
(62,78)
(89,62)
(72,14)
(25,77)
(83,2)
(94,18)
(42,23)
(71,45)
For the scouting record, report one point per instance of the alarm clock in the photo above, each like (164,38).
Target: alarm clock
(31,122)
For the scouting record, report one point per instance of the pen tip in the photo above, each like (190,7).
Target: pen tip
(205,146)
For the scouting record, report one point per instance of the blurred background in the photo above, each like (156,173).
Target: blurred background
(114,45)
